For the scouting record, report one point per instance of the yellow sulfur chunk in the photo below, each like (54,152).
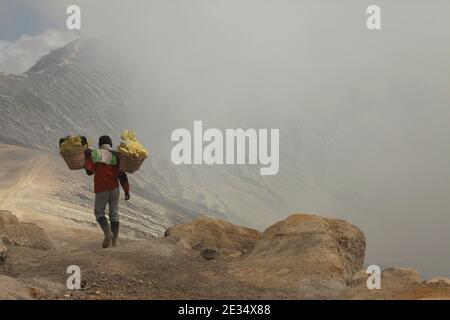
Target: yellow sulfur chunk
(70,143)
(131,147)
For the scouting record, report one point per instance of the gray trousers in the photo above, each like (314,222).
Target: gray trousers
(112,199)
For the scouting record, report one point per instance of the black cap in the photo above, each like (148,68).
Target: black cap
(104,140)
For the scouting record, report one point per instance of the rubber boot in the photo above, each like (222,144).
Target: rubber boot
(115,231)
(103,222)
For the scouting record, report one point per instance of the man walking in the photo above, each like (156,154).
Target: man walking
(105,165)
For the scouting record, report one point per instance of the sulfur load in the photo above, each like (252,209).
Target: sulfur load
(131,147)
(131,153)
(72,150)
(70,143)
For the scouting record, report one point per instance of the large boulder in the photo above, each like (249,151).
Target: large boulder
(12,289)
(316,256)
(16,233)
(29,289)
(214,238)
(392,279)
(439,281)
(400,276)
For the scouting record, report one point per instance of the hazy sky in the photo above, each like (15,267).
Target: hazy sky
(363,114)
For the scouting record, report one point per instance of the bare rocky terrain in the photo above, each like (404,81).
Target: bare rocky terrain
(47,225)
(302,257)
(37,185)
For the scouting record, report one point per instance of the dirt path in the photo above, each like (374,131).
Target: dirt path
(19,171)
(152,269)
(28,178)
(14,182)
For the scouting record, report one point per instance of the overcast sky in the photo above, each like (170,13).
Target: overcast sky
(365,113)
(29,30)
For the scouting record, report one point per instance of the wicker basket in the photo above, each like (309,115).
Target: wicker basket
(75,158)
(128,164)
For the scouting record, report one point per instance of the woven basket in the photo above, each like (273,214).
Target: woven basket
(75,158)
(128,164)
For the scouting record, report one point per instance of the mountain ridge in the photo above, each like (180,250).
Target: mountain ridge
(75,90)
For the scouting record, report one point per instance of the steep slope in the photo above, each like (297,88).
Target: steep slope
(70,91)
(61,94)
(37,186)
(80,89)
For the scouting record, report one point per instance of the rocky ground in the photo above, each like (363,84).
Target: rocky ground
(46,225)
(302,257)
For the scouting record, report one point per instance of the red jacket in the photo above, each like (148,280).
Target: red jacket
(107,177)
